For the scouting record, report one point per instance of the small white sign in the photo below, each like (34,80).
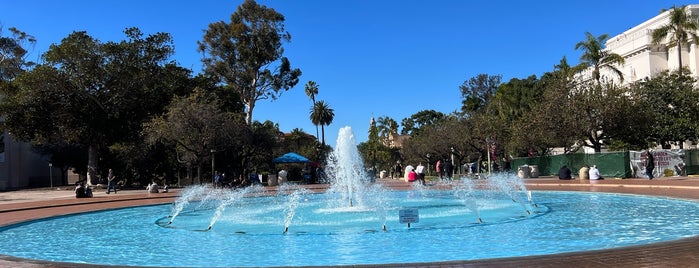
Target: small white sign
(408,215)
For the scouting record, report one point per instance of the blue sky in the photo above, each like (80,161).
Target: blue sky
(370,58)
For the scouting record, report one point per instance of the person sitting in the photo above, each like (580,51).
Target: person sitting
(80,190)
(412,175)
(594,173)
(152,188)
(584,172)
(564,173)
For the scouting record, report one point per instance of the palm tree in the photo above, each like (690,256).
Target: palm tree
(322,115)
(311,92)
(596,57)
(681,27)
(386,127)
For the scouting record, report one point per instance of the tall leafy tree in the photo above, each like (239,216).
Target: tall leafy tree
(671,99)
(478,91)
(323,115)
(311,91)
(595,56)
(92,93)
(681,29)
(197,126)
(247,54)
(13,53)
(413,124)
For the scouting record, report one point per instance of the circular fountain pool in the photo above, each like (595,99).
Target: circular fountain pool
(250,231)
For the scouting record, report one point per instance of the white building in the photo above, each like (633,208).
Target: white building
(642,57)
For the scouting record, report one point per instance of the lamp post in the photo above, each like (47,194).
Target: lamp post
(213,166)
(487,149)
(428,163)
(51,174)
(453,151)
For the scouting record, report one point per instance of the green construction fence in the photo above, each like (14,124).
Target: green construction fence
(611,165)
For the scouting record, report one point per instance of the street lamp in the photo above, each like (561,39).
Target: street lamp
(51,174)
(213,167)
(428,163)
(487,149)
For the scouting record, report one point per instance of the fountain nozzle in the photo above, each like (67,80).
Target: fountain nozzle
(209,227)
(480,220)
(383,228)
(528,213)
(170,222)
(286,229)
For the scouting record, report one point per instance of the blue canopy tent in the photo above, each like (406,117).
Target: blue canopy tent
(291,157)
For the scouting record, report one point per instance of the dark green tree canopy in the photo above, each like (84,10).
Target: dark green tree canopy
(413,124)
(94,94)
(477,92)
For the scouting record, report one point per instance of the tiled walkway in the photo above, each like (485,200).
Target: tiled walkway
(26,205)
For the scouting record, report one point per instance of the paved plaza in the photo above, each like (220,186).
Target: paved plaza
(19,206)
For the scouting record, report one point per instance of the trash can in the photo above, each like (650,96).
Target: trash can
(534,171)
(524,172)
(382,174)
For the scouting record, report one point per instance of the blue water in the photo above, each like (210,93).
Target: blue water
(250,232)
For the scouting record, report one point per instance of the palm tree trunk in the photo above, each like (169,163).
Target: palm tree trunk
(322,127)
(679,54)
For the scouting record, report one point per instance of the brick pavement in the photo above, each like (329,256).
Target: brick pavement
(21,206)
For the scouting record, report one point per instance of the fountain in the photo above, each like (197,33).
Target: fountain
(346,170)
(355,222)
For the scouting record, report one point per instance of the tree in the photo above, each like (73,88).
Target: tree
(594,55)
(13,53)
(386,127)
(311,92)
(670,99)
(413,124)
(323,115)
(246,54)
(477,92)
(92,93)
(197,127)
(681,29)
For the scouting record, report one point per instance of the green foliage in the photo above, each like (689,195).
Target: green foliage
(196,125)
(323,115)
(413,124)
(594,55)
(477,92)
(13,53)
(94,94)
(670,102)
(246,54)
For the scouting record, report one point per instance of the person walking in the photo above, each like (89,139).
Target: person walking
(448,169)
(650,164)
(420,169)
(111,182)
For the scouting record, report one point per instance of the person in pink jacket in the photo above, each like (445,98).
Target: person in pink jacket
(412,176)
